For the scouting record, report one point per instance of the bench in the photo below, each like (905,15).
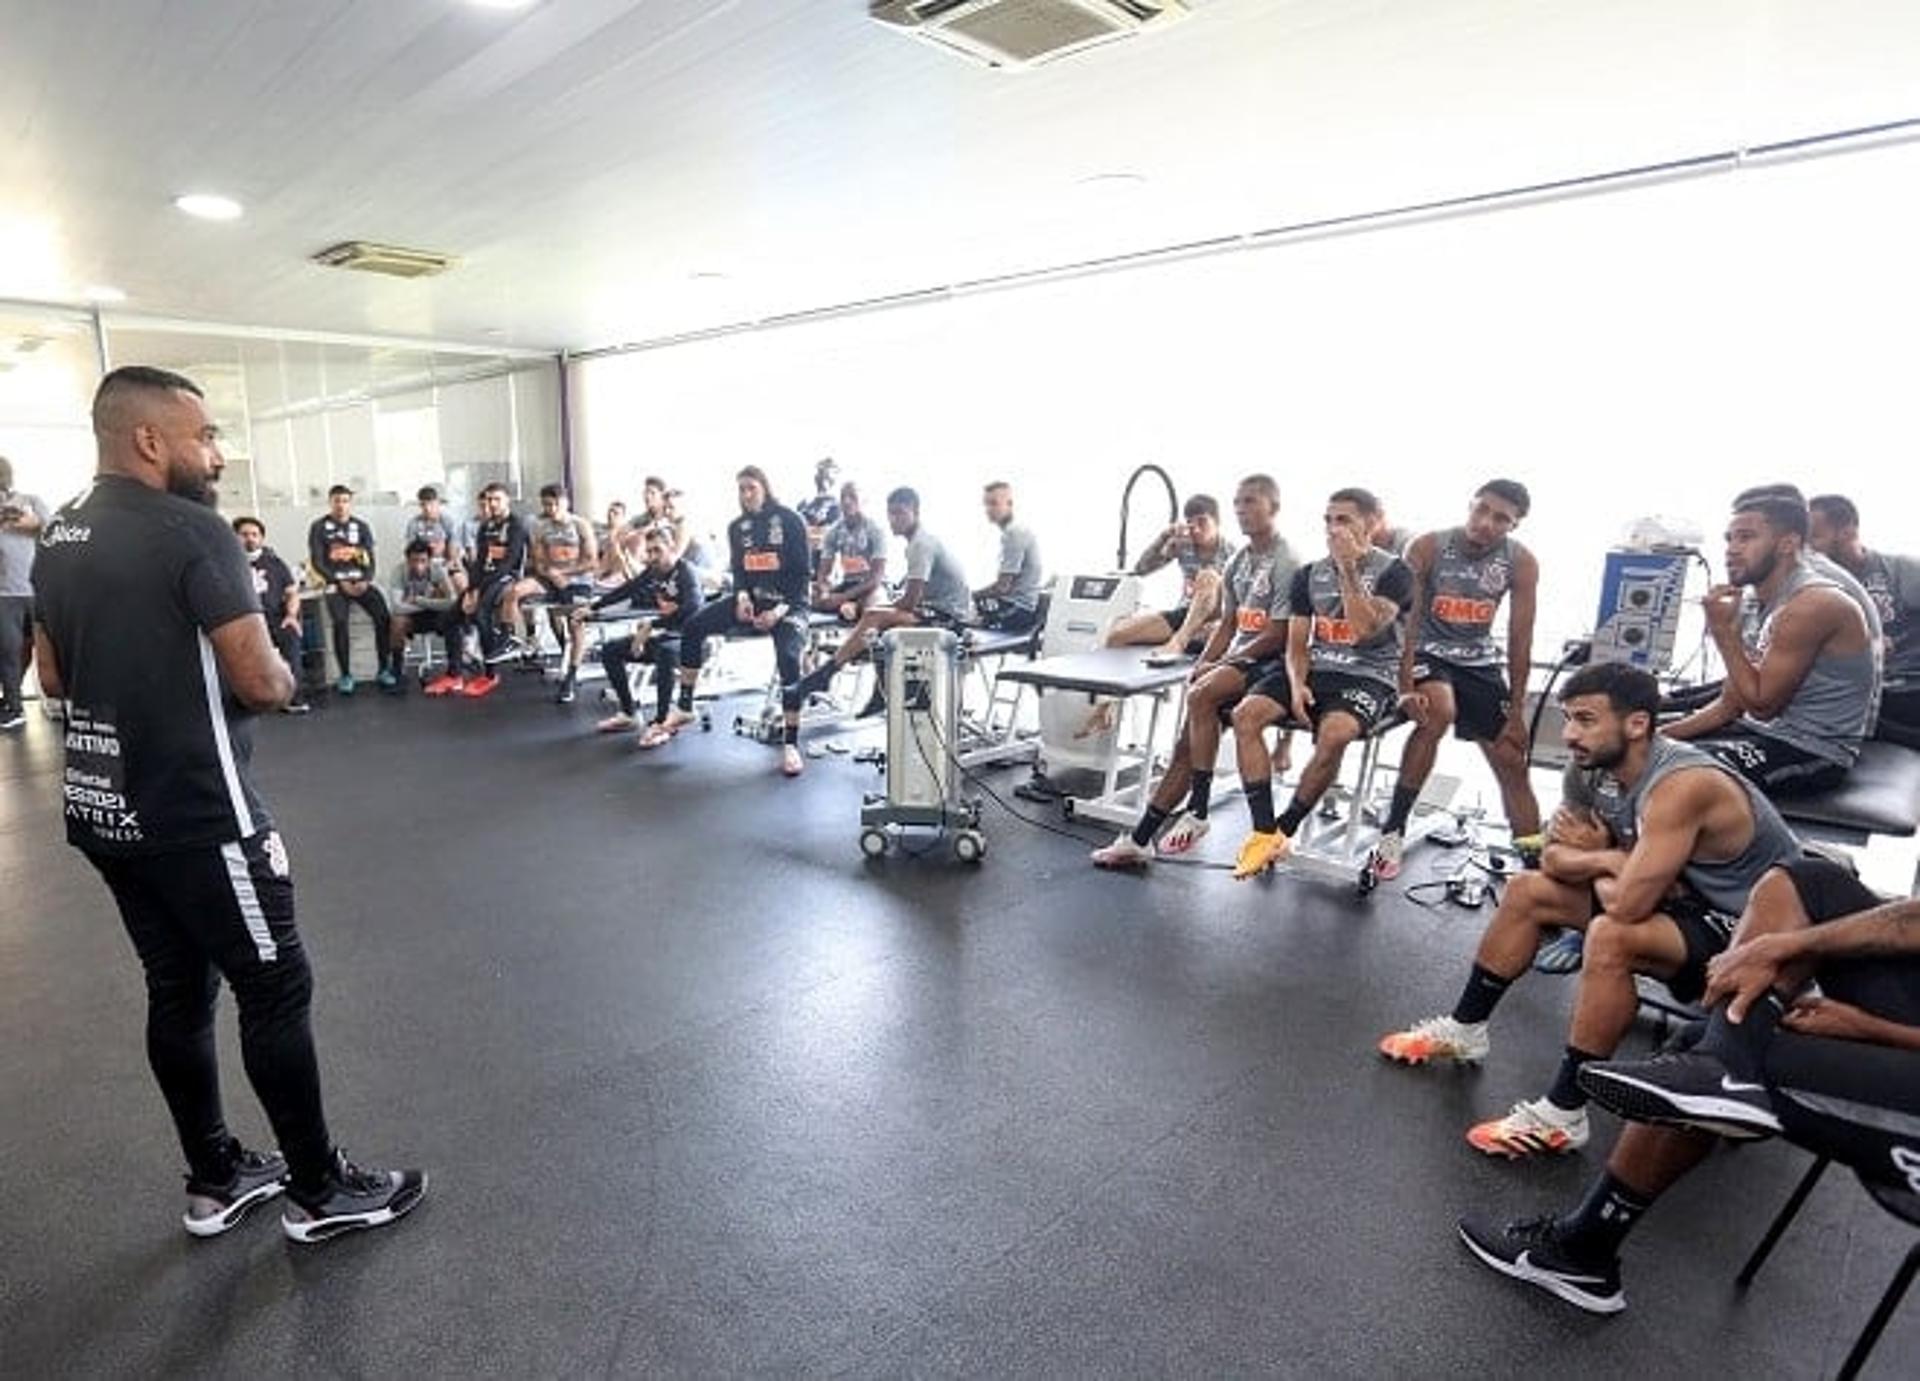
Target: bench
(1881,795)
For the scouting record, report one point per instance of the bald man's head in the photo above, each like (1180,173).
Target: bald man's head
(152,425)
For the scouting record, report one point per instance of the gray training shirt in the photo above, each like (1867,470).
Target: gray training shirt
(1834,707)
(946,589)
(16,548)
(1020,558)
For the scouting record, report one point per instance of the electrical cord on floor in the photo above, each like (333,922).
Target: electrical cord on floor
(975,779)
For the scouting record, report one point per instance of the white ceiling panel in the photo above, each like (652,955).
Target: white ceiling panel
(587,158)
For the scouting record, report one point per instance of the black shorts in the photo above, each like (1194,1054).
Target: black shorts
(430,620)
(1774,765)
(1705,932)
(1887,986)
(1366,701)
(1003,616)
(1268,672)
(1480,696)
(1900,717)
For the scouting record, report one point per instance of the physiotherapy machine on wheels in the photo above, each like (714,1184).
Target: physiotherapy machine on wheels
(921,667)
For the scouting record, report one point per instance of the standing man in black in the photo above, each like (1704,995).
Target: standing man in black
(149,625)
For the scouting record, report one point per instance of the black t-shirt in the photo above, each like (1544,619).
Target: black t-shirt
(340,549)
(271,581)
(129,581)
(499,549)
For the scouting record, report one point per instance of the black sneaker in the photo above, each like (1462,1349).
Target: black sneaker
(1687,1089)
(296,707)
(511,647)
(351,1198)
(1532,1250)
(213,1208)
(565,697)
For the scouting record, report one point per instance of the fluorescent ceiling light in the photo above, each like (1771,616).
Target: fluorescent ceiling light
(500,4)
(100,292)
(208,207)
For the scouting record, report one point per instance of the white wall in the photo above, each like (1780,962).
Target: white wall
(1644,352)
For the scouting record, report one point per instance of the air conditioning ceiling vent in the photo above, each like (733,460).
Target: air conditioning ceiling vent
(388,259)
(1023,33)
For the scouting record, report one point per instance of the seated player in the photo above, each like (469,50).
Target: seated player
(430,525)
(340,555)
(1245,647)
(1893,583)
(424,601)
(279,602)
(665,592)
(695,549)
(561,557)
(935,592)
(1802,668)
(853,560)
(496,556)
(1347,613)
(1657,881)
(1012,602)
(1202,552)
(772,570)
(1450,676)
(615,524)
(821,511)
(1838,1073)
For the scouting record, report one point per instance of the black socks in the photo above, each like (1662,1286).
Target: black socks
(1200,794)
(1260,805)
(1149,826)
(1595,1230)
(1481,995)
(1401,809)
(1566,1093)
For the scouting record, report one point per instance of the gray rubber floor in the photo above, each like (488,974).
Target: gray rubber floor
(702,1093)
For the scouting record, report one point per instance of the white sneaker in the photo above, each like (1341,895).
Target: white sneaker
(1438,1038)
(1122,853)
(1387,853)
(1180,837)
(614,724)
(1531,1129)
(791,763)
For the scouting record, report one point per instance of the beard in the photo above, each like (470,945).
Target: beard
(188,484)
(1605,757)
(1758,571)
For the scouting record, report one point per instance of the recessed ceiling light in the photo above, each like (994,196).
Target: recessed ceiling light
(1112,181)
(100,292)
(708,276)
(500,4)
(208,207)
